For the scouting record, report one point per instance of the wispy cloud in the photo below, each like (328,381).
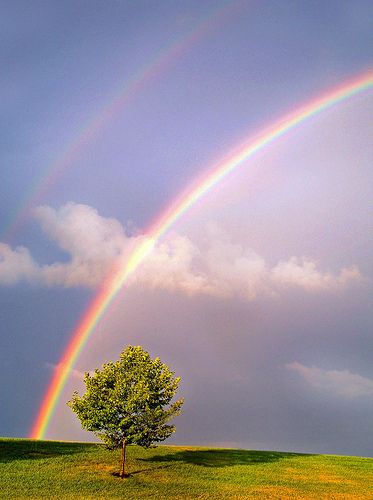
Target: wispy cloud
(94,243)
(341,383)
(76,374)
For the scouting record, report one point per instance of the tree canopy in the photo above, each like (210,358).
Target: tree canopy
(129,401)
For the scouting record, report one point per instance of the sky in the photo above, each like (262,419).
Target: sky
(260,296)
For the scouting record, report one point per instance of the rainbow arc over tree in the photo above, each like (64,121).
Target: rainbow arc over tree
(120,275)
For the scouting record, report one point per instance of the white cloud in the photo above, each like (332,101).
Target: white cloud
(92,241)
(235,269)
(171,267)
(95,244)
(341,383)
(82,232)
(304,273)
(16,265)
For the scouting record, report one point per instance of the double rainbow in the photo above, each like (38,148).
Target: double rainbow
(119,277)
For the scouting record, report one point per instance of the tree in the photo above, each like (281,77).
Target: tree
(127,401)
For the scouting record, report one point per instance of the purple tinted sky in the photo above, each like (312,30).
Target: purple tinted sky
(282,358)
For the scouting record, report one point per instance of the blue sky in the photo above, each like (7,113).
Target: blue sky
(260,297)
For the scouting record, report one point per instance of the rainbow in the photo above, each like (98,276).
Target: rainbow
(127,92)
(119,276)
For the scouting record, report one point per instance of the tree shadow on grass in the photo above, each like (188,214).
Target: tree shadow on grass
(149,469)
(223,458)
(23,449)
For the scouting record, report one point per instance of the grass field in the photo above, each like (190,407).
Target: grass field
(48,469)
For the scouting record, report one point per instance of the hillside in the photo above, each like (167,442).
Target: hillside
(49,469)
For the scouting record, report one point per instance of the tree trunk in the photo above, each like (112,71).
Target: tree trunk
(123,471)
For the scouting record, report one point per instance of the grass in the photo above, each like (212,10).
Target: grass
(60,470)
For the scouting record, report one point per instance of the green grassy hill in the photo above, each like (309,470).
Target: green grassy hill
(48,469)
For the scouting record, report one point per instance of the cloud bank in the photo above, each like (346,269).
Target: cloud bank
(341,383)
(95,243)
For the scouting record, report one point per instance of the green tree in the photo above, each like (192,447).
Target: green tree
(128,401)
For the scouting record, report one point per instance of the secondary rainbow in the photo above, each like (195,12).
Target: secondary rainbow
(120,275)
(132,87)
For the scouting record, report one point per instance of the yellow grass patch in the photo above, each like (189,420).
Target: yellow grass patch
(274,492)
(97,468)
(328,478)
